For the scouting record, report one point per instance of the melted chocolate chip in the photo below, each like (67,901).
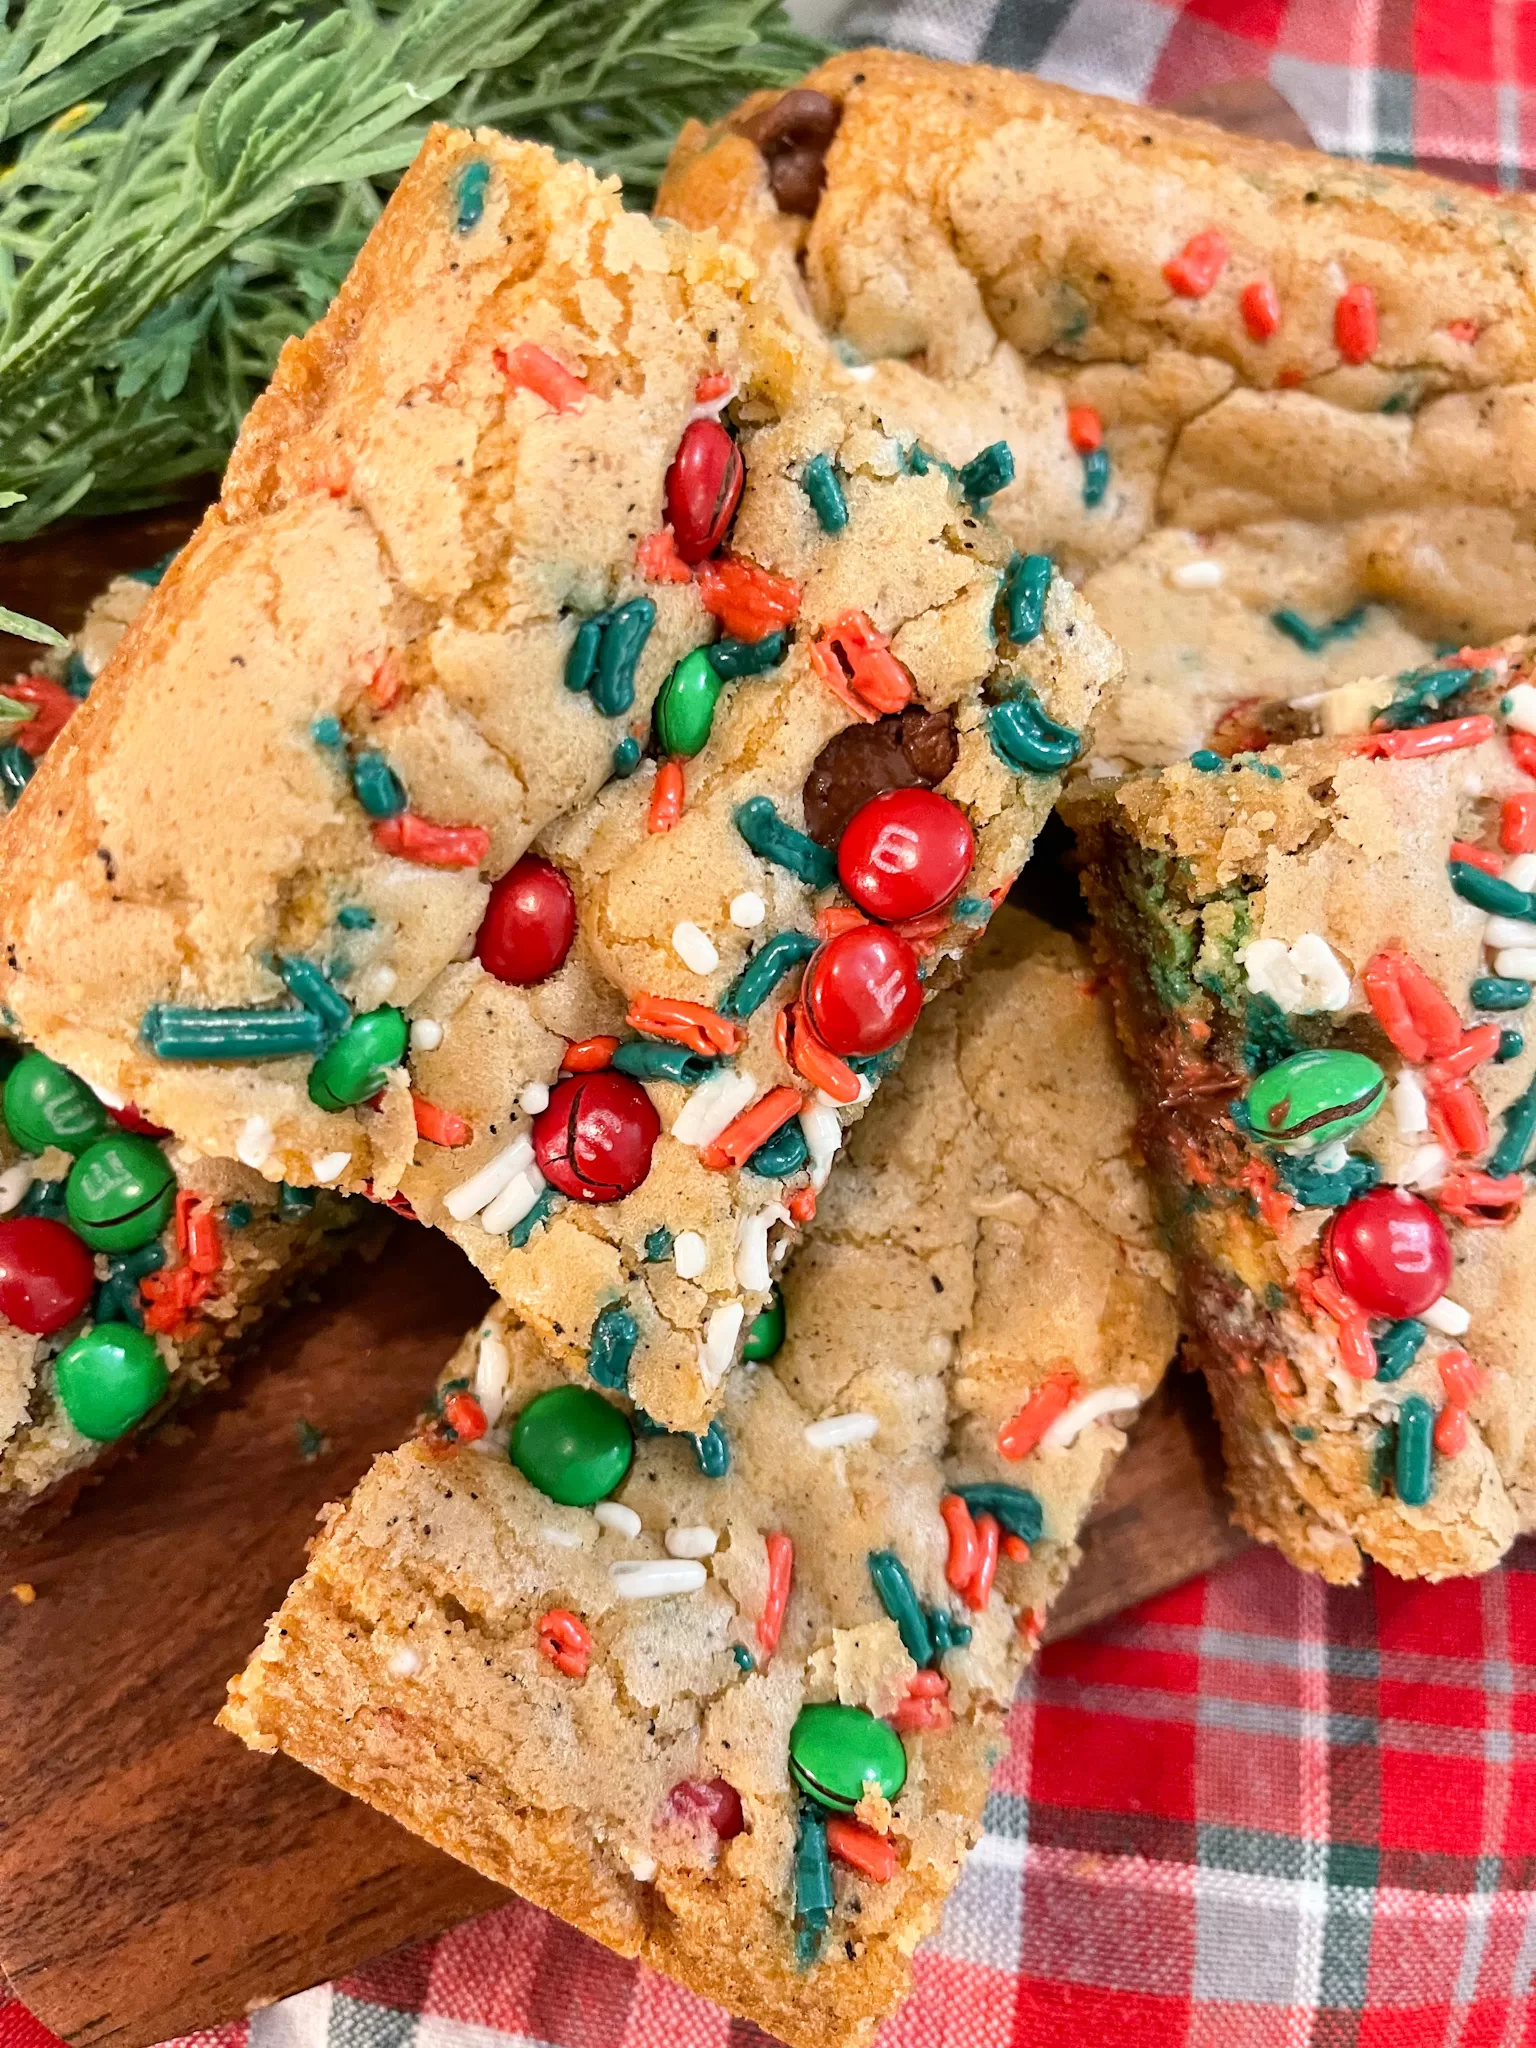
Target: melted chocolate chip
(911,749)
(793,134)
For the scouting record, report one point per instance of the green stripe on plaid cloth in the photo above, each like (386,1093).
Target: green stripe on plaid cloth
(1443,84)
(1255,1813)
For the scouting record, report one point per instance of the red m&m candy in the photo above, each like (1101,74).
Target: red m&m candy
(46,1274)
(1389,1252)
(698,1803)
(529,923)
(904,853)
(861,990)
(594,1140)
(702,489)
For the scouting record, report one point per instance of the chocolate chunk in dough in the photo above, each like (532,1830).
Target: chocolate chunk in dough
(912,748)
(793,135)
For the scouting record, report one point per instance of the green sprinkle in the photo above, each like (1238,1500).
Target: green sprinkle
(897,1595)
(767,967)
(1398,1346)
(1314,1189)
(1509,1154)
(1500,992)
(1511,1045)
(732,658)
(626,755)
(1267,1037)
(310,984)
(1026,584)
(45,1198)
(758,822)
(77,677)
(939,1629)
(820,483)
(744,1658)
(355,917)
(1490,892)
(623,641)
(1024,737)
(1206,760)
(175,1032)
(1426,694)
(292,1202)
(378,788)
(16,770)
(813,1883)
(651,1059)
(712,1450)
(1415,1450)
(615,1334)
(1019,1512)
(658,1245)
(986,474)
(581,662)
(237,1216)
(782,1154)
(1380,1468)
(974,909)
(522,1230)
(155,572)
(470,197)
(1095,476)
(1313,639)
(326,732)
(312,1441)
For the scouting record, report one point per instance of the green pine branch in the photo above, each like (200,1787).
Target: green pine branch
(186,182)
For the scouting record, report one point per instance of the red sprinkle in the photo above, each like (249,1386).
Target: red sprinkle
(714,1801)
(1085,430)
(588,1055)
(1451,1430)
(1457,1117)
(1020,1434)
(1476,856)
(439,1126)
(1015,1549)
(802,1206)
(1198,264)
(1418,1019)
(1522,746)
(702,1030)
(1478,1201)
(531,368)
(854,659)
(872,1855)
(976,1593)
(386,682)
(1357,1354)
(464,1416)
(565,1641)
(130,1118)
(712,385)
(1355,324)
(1462,1378)
(781,1570)
(433,846)
(1517,823)
(755,1126)
(1464,331)
(1478,1043)
(926,1708)
(838,917)
(1260,304)
(961,1566)
(54,707)
(801,1049)
(658,561)
(1419,743)
(667,795)
(748,601)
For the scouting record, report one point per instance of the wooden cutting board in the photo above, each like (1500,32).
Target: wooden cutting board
(154,1876)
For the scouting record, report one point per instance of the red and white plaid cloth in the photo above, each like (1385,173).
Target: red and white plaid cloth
(1255,1813)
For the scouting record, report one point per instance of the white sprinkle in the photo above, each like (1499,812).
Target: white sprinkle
(1520,871)
(513,1203)
(1201,575)
(642,1867)
(1509,931)
(748,910)
(696,1540)
(718,1347)
(712,1105)
(1516,963)
(1069,1425)
(109,1096)
(621,1520)
(330,1166)
(1409,1107)
(752,1268)
(694,947)
(1446,1316)
(493,1368)
(534,1099)
(426,1034)
(562,1539)
(1521,715)
(1428,1167)
(1102,767)
(256,1143)
(404,1663)
(503,1167)
(1331,1158)
(860,372)
(834,1432)
(654,1578)
(690,1254)
(823,1134)
(1303,977)
(14,1182)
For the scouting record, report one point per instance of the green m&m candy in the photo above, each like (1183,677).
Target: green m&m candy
(765,1332)
(573,1445)
(47,1105)
(834,1751)
(120,1192)
(685,709)
(1315,1097)
(108,1379)
(357,1064)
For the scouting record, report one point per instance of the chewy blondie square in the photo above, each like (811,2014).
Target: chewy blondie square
(598,1704)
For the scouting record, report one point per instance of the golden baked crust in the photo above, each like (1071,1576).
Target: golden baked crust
(995,246)
(990,1224)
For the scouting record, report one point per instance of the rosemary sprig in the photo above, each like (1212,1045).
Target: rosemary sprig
(184,183)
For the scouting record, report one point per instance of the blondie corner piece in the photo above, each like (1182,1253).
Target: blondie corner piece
(557,772)
(1266,406)
(1323,956)
(617,1708)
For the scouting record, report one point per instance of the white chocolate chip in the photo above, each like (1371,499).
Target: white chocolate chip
(621,1520)
(256,1142)
(14,1182)
(426,1034)
(748,910)
(1094,1407)
(690,1254)
(642,1865)
(653,1578)
(1409,1108)
(562,1539)
(694,947)
(1204,574)
(405,1663)
(836,1432)
(330,1166)
(1446,1316)
(1301,978)
(694,1540)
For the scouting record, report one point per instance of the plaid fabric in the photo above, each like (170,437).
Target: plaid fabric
(1448,85)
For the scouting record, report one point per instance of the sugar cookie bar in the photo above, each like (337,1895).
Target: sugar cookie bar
(355,868)
(1265,405)
(1323,956)
(731,1707)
